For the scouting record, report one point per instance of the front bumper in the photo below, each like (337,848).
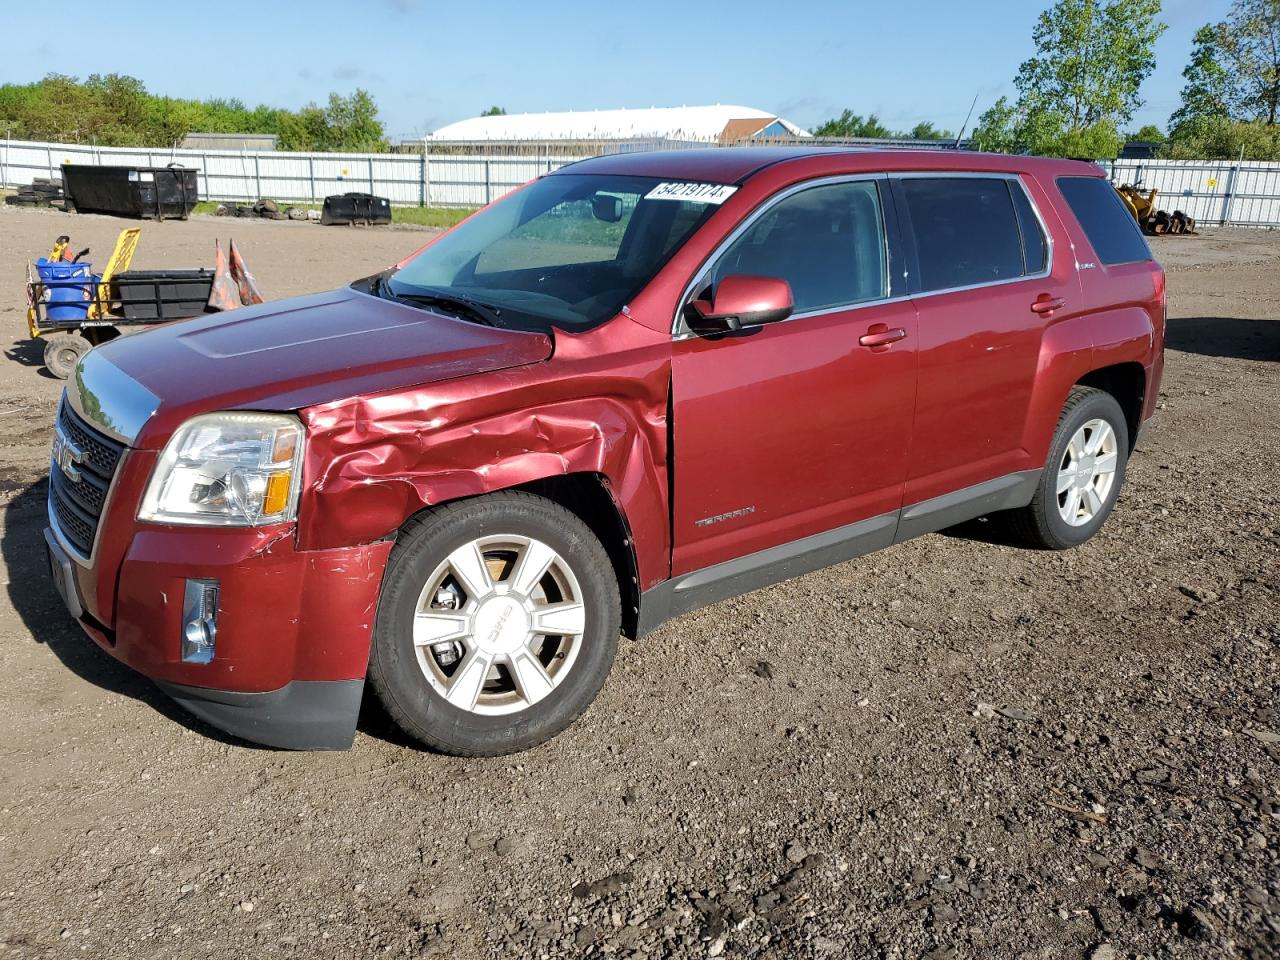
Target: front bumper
(293,628)
(303,715)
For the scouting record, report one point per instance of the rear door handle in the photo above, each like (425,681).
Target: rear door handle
(1047,304)
(880,335)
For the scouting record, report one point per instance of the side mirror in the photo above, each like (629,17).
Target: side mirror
(741,301)
(607,208)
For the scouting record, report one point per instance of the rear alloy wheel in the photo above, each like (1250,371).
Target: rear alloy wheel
(497,625)
(63,351)
(1087,473)
(1082,476)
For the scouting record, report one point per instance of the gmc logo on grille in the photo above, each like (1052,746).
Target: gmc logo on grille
(67,456)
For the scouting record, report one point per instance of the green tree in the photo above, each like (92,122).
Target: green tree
(307,129)
(925,130)
(996,130)
(1225,139)
(1249,40)
(117,110)
(352,124)
(850,124)
(1083,82)
(1231,100)
(120,109)
(1149,133)
(1207,94)
(494,112)
(170,120)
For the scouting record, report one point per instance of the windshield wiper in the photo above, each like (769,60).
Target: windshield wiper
(480,312)
(475,310)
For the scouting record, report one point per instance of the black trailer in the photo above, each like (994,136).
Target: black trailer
(157,193)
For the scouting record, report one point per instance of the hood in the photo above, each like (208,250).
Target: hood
(315,349)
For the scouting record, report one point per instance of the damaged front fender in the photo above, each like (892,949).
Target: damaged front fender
(374,461)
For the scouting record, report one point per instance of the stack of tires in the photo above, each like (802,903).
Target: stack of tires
(41,192)
(261,209)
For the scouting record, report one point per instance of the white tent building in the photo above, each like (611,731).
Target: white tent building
(720,123)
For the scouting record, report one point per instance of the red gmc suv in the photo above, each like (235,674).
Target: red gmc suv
(635,386)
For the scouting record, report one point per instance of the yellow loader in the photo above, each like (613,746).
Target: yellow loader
(1142,207)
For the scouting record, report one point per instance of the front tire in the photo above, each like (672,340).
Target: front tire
(497,624)
(1082,476)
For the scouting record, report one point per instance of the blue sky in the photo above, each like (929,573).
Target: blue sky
(430,62)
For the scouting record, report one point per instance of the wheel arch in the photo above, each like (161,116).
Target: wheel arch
(590,497)
(1072,355)
(1127,384)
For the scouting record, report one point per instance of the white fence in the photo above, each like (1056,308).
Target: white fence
(1213,192)
(406,179)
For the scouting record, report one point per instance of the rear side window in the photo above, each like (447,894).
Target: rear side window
(966,230)
(1112,232)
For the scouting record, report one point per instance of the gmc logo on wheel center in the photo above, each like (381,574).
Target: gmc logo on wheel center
(67,456)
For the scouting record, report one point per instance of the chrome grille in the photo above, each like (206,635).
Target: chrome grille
(75,504)
(102,454)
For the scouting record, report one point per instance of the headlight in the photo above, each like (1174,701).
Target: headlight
(228,469)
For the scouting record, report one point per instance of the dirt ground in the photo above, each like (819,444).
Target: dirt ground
(951,749)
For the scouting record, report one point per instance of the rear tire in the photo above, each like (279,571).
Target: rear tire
(496,655)
(1082,475)
(63,351)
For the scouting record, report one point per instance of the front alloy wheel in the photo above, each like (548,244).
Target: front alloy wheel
(497,624)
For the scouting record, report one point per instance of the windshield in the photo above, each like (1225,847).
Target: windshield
(568,250)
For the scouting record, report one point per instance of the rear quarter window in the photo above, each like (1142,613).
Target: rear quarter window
(1112,232)
(1035,246)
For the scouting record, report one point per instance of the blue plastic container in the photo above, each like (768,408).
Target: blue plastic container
(68,289)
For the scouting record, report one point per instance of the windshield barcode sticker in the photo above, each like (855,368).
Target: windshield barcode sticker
(691,192)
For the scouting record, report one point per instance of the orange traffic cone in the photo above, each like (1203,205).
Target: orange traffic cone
(240,272)
(222,295)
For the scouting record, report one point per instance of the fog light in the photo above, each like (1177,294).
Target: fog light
(199,620)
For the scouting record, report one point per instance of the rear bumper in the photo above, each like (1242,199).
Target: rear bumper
(303,715)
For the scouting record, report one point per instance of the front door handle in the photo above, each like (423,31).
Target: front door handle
(880,335)
(1044,304)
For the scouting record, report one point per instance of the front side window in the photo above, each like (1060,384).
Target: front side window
(569,250)
(828,242)
(966,230)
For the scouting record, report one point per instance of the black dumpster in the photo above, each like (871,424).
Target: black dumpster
(157,193)
(162,294)
(355,208)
